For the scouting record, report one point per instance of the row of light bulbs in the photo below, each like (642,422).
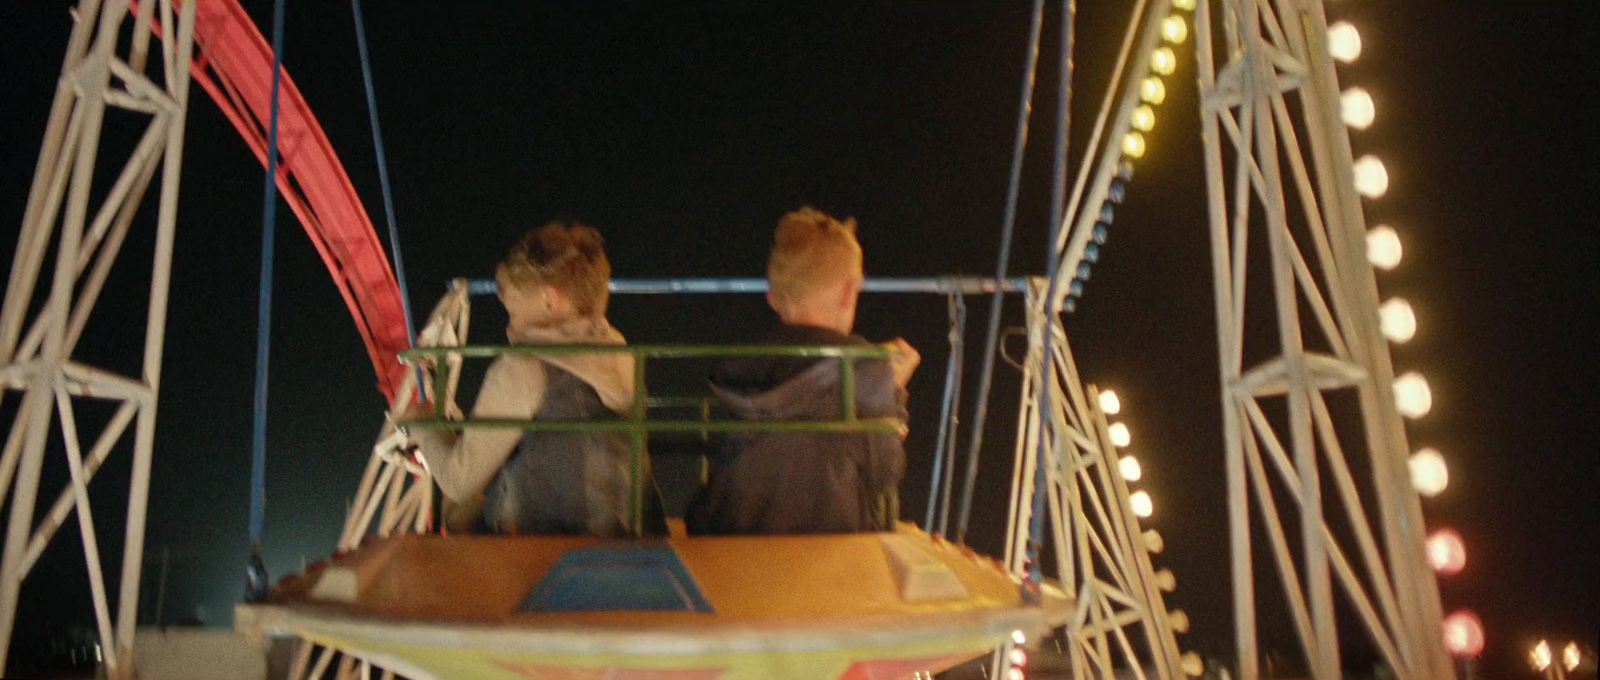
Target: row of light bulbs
(1445,551)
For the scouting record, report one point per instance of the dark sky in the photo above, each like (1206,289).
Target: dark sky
(682,131)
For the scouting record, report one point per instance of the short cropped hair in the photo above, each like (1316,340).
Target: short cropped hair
(811,250)
(567,256)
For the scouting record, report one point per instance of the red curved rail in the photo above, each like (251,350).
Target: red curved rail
(233,63)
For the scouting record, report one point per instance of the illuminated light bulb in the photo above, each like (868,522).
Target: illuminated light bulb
(1356,108)
(1176,30)
(1166,581)
(1398,322)
(1153,542)
(1015,674)
(1463,634)
(1110,404)
(1447,554)
(1344,42)
(1153,90)
(1429,475)
(1383,247)
(1120,436)
(1371,178)
(1142,505)
(1019,658)
(1179,620)
(1143,118)
(1130,468)
(1192,665)
(1412,397)
(1185,5)
(1133,145)
(1018,638)
(1570,656)
(1540,656)
(1163,61)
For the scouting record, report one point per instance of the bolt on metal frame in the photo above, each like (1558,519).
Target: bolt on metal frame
(99,71)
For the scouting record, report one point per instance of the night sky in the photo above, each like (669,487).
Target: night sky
(683,131)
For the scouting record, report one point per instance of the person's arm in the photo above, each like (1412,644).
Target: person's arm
(463,465)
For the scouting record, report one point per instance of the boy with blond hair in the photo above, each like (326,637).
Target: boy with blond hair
(554,287)
(807,482)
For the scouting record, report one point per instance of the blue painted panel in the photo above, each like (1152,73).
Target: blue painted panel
(617,577)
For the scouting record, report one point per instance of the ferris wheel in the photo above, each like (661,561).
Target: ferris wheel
(1077,563)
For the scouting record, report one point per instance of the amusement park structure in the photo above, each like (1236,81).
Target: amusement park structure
(1279,171)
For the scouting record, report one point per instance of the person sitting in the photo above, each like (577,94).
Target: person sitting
(802,482)
(554,287)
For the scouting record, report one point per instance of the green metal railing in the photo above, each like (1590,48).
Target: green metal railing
(637,423)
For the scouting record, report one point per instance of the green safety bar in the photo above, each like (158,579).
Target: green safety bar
(637,424)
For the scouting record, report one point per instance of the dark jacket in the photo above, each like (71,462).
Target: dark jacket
(800,482)
(569,482)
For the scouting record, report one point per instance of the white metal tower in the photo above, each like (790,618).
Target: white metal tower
(105,65)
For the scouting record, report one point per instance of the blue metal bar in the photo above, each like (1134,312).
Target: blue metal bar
(383,179)
(986,378)
(1058,199)
(951,403)
(942,285)
(256,580)
(955,416)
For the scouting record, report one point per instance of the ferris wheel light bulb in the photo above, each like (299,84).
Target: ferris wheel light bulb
(1152,90)
(1130,468)
(1143,506)
(1383,247)
(1110,404)
(1174,29)
(1356,108)
(1119,434)
(1429,476)
(1398,321)
(1371,178)
(1133,145)
(1143,118)
(1571,656)
(1447,553)
(1344,42)
(1163,61)
(1185,5)
(1412,396)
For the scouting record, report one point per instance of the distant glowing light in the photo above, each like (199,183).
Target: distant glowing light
(1371,178)
(1120,436)
(1153,542)
(1143,506)
(1130,468)
(1019,658)
(1570,656)
(1463,634)
(1109,403)
(1018,638)
(1174,29)
(1133,145)
(1429,475)
(1344,42)
(1185,5)
(1015,674)
(1163,61)
(1144,118)
(1356,108)
(1191,663)
(1540,656)
(1412,397)
(1447,553)
(1398,322)
(1153,90)
(1383,247)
